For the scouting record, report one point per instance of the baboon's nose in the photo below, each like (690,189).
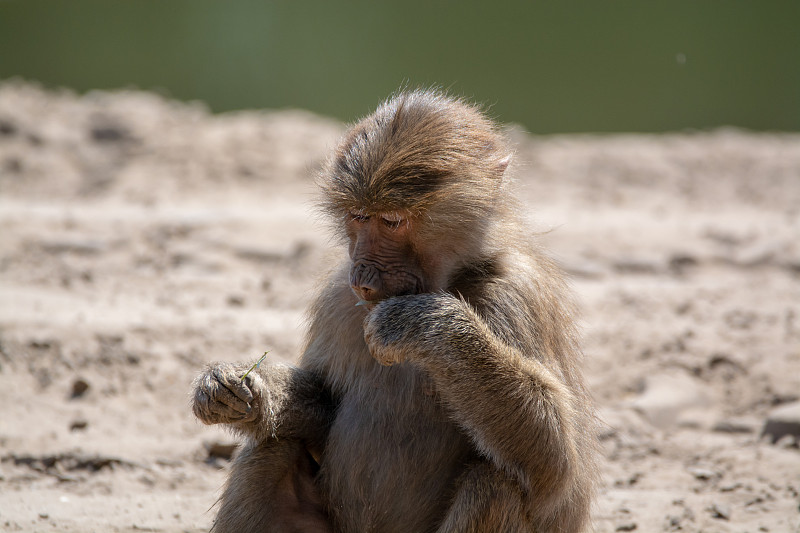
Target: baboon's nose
(365,283)
(367,292)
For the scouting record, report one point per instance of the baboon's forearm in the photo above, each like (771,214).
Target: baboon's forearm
(293,403)
(516,410)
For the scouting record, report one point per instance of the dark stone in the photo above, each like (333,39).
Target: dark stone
(782,421)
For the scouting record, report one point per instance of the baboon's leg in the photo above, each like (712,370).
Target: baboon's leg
(486,501)
(271,489)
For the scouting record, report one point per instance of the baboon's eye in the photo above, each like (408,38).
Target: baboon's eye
(358,216)
(392,220)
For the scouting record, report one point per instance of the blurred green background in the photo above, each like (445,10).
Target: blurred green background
(573,66)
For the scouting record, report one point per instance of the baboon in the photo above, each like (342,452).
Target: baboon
(439,389)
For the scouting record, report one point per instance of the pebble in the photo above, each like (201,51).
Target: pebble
(235,300)
(79,424)
(787,441)
(703,474)
(783,421)
(734,426)
(76,247)
(722,512)
(220,450)
(674,522)
(79,387)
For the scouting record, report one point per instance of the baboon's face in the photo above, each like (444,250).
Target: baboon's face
(385,261)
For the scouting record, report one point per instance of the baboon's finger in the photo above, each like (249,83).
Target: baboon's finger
(219,392)
(200,406)
(228,379)
(227,412)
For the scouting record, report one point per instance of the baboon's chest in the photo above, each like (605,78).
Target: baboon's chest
(392,457)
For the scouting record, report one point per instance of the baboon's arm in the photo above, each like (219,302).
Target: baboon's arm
(275,401)
(516,409)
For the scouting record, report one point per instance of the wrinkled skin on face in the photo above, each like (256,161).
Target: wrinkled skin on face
(385,260)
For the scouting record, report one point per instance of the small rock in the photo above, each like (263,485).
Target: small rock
(79,388)
(754,501)
(679,263)
(722,512)
(78,425)
(77,247)
(220,450)
(44,516)
(734,426)
(7,128)
(782,421)
(235,300)
(109,133)
(674,522)
(630,526)
(730,487)
(726,366)
(777,398)
(703,474)
(13,165)
(41,344)
(636,266)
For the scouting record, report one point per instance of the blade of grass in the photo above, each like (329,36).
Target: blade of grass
(255,365)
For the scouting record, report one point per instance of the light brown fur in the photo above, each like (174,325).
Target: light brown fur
(453,400)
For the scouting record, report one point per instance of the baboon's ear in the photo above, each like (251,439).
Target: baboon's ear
(502,165)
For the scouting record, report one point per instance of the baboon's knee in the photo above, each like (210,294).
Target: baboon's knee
(486,501)
(271,489)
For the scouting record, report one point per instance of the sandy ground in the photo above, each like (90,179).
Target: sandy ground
(141,238)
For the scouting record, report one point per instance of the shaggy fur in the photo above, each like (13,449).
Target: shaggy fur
(457,409)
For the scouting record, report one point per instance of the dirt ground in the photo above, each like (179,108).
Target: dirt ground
(141,238)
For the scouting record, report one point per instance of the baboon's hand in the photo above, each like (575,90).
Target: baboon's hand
(401,327)
(221,397)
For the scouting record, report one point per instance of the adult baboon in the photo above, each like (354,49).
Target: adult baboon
(440,387)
